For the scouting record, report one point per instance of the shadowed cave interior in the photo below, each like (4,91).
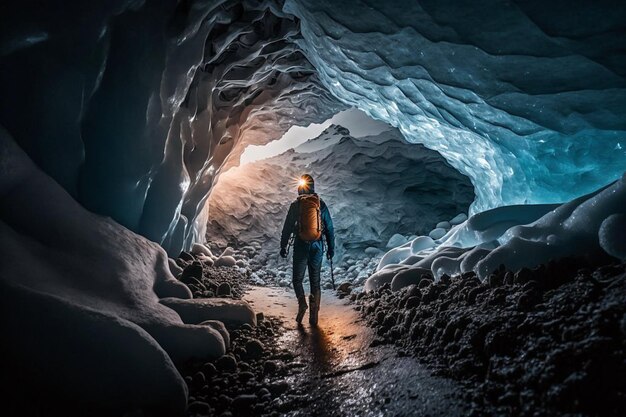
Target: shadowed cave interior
(479,224)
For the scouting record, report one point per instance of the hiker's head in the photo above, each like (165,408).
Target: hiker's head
(306,185)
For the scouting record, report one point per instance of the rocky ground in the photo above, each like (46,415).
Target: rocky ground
(548,341)
(251,378)
(248,380)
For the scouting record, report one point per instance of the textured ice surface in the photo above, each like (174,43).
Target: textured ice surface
(135,107)
(79,297)
(374,186)
(518,236)
(526,98)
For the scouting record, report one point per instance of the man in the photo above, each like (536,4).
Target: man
(309,220)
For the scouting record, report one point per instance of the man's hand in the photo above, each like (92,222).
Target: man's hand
(283,252)
(330,254)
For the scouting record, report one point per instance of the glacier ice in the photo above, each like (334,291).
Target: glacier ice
(136,108)
(80,300)
(590,226)
(527,99)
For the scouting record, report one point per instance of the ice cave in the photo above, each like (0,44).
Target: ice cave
(471,155)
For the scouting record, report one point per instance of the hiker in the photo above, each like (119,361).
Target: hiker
(309,220)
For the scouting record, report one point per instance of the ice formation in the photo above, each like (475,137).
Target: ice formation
(525,98)
(80,300)
(134,108)
(591,226)
(375,187)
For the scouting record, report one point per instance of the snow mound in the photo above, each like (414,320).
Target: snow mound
(517,236)
(80,292)
(460,218)
(200,249)
(225,261)
(613,235)
(437,233)
(396,240)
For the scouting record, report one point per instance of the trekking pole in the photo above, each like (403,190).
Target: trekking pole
(291,239)
(332,274)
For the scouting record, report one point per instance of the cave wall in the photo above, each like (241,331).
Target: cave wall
(136,107)
(527,98)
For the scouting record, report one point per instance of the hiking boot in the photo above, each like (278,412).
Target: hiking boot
(301,309)
(314,301)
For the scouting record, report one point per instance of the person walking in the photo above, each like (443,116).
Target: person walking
(308,220)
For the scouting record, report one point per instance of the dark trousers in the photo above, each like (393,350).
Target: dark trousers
(307,254)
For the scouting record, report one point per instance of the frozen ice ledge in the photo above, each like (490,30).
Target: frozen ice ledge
(135,108)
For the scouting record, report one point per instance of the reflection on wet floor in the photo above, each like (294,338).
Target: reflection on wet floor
(339,371)
(320,346)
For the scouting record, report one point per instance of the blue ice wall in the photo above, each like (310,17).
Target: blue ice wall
(526,98)
(135,107)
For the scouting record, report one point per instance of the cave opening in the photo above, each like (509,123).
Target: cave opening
(381,190)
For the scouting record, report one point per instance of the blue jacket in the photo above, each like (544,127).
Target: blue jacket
(292,219)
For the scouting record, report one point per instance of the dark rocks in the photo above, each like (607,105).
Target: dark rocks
(270,367)
(242,385)
(471,296)
(226,364)
(526,300)
(509,278)
(186,256)
(209,370)
(544,341)
(243,403)
(278,388)
(254,348)
(412,302)
(199,407)
(522,276)
(192,271)
(425,282)
(224,289)
(246,327)
(495,280)
(199,379)
(344,287)
(245,376)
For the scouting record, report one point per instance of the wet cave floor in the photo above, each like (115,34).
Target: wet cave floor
(548,341)
(342,373)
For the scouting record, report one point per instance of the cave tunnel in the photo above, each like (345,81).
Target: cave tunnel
(471,155)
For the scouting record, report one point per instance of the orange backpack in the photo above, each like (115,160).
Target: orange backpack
(310,217)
